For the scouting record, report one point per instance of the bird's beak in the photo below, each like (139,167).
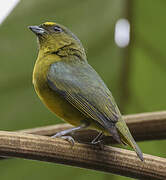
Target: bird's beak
(37,30)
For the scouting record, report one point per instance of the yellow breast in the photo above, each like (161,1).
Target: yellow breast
(55,102)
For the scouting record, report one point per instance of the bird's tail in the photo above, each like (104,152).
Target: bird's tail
(127,138)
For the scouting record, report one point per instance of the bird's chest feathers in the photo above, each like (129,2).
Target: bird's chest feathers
(41,69)
(50,98)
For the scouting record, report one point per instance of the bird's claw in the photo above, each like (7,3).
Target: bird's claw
(67,138)
(99,143)
(98,140)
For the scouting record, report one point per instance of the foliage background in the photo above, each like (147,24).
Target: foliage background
(135,75)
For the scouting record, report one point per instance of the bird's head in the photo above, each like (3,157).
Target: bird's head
(56,39)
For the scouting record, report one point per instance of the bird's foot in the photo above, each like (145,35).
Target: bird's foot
(67,138)
(98,141)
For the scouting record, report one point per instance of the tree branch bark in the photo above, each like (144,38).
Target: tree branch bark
(144,126)
(112,160)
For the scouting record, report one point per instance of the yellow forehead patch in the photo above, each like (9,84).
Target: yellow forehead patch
(49,23)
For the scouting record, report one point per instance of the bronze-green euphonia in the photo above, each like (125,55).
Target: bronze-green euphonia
(72,89)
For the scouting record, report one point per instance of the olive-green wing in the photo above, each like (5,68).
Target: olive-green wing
(81,86)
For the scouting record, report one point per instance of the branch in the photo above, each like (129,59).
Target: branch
(112,160)
(145,126)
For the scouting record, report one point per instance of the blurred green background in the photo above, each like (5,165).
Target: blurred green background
(136,75)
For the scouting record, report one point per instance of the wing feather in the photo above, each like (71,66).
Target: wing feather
(81,86)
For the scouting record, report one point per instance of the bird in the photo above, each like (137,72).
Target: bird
(70,87)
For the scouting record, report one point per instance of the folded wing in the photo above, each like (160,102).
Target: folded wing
(81,86)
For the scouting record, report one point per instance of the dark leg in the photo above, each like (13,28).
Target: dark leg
(98,140)
(67,131)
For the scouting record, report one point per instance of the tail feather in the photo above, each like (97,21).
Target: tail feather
(127,138)
(113,131)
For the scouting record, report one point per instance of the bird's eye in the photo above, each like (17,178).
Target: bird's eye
(57,29)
